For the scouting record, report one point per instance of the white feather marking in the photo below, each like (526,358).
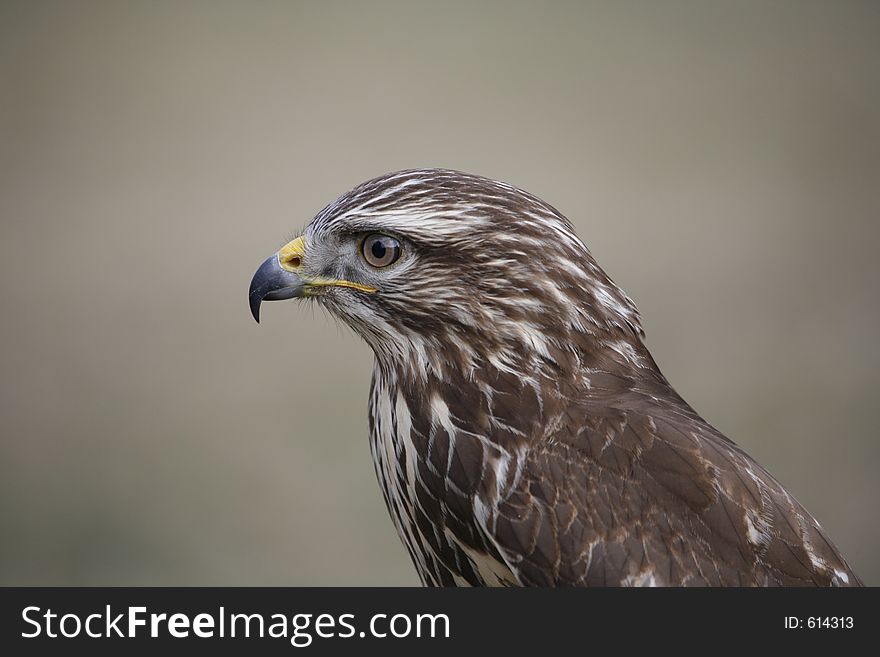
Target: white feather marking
(606,298)
(500,464)
(440,416)
(627,351)
(645,578)
(490,570)
(817,561)
(758,530)
(404,433)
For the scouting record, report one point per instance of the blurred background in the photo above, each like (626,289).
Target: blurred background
(721,160)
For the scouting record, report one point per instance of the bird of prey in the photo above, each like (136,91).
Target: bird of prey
(521,432)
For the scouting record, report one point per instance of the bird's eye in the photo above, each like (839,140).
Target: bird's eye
(380,250)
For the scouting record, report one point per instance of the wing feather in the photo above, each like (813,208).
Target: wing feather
(647,493)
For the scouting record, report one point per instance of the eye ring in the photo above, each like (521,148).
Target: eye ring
(380,250)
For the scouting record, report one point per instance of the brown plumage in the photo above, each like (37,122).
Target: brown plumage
(520,429)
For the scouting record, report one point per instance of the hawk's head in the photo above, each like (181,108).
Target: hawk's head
(437,268)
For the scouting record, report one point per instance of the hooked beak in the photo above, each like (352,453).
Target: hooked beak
(273,283)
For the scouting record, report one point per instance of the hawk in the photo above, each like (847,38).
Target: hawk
(521,432)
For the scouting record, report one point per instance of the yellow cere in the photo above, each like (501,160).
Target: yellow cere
(291,255)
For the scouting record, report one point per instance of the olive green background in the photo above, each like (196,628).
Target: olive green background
(721,160)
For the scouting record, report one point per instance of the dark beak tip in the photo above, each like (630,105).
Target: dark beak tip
(255,302)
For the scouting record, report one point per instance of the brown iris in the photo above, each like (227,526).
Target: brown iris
(380,250)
